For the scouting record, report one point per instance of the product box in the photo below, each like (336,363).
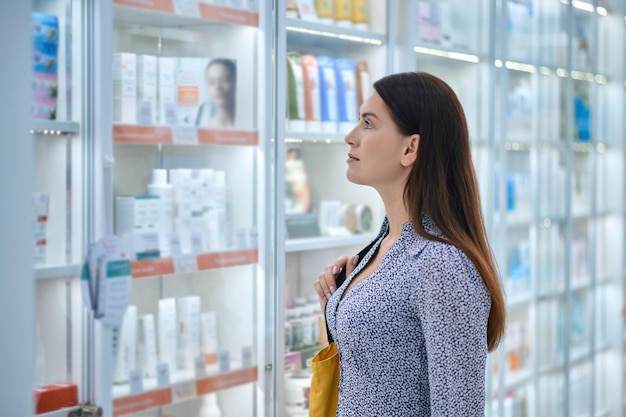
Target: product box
(124,88)
(39,224)
(206,92)
(188,333)
(146,89)
(138,220)
(428,22)
(45,28)
(55,397)
(44,81)
(189,90)
(167,111)
(137,213)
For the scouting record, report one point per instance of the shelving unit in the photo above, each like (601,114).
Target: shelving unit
(543,84)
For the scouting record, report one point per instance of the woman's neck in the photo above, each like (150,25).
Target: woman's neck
(396,212)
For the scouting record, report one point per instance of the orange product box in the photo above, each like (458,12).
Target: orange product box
(55,397)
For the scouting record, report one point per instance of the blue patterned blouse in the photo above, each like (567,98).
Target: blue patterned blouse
(412,336)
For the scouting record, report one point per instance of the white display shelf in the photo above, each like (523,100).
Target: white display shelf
(162,14)
(43,272)
(317,243)
(315,137)
(183,387)
(63,412)
(550,294)
(519,299)
(54,128)
(580,354)
(344,34)
(453,54)
(514,379)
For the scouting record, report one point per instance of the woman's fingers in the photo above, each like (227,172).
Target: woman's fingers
(326,283)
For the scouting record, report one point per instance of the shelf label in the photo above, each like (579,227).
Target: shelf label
(184,264)
(228,15)
(163,375)
(225,381)
(200,367)
(157,5)
(226,259)
(142,134)
(185,135)
(146,401)
(223,361)
(184,390)
(152,267)
(228,137)
(246,357)
(135,381)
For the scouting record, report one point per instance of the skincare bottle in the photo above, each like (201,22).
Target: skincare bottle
(209,406)
(208,330)
(362,82)
(328,96)
(165,192)
(346,93)
(325,10)
(295,93)
(311,93)
(127,346)
(167,333)
(343,13)
(360,14)
(146,345)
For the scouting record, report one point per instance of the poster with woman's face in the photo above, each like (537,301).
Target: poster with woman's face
(217,110)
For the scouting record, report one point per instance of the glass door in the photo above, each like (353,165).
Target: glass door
(189,143)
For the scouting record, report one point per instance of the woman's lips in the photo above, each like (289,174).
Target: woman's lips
(352,158)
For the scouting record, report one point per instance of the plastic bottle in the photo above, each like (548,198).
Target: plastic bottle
(296,329)
(306,316)
(209,406)
(288,331)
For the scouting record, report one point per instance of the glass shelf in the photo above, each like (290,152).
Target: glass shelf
(315,243)
(54,128)
(298,27)
(56,271)
(164,14)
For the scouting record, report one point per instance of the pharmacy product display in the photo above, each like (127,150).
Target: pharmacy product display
(188,142)
(56,208)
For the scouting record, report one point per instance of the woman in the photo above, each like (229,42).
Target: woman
(416,316)
(221,81)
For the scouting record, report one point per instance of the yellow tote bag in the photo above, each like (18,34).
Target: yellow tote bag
(324,392)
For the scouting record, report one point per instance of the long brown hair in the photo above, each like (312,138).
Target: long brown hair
(442,182)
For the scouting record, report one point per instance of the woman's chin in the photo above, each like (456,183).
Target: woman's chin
(354,179)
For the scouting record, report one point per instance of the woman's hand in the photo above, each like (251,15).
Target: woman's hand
(326,284)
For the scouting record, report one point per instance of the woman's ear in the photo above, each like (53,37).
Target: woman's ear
(410,150)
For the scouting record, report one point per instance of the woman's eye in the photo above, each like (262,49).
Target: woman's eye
(366,124)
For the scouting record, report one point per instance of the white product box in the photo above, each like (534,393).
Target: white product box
(138,213)
(146,89)
(167,92)
(40,223)
(190,87)
(124,88)
(138,218)
(188,337)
